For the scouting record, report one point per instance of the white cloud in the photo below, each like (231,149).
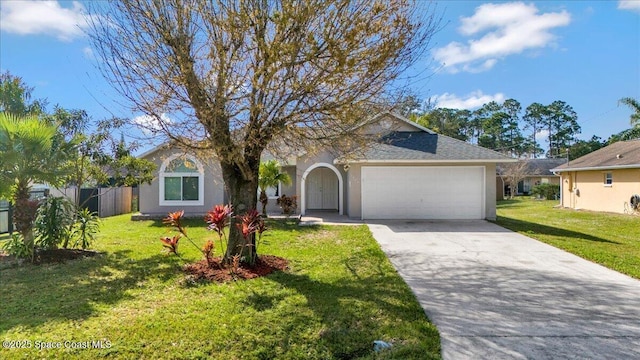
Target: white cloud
(504,29)
(471,101)
(88,53)
(43,17)
(151,124)
(633,5)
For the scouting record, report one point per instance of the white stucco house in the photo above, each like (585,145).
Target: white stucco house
(410,172)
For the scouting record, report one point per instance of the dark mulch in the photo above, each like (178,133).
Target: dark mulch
(215,271)
(50,256)
(61,255)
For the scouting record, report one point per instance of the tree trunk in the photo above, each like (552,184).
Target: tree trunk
(264,199)
(24,214)
(243,195)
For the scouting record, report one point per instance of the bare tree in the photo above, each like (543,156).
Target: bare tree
(514,172)
(236,76)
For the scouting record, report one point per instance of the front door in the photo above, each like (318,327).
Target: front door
(322,190)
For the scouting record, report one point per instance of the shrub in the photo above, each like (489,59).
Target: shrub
(53,222)
(17,247)
(86,228)
(288,204)
(547,191)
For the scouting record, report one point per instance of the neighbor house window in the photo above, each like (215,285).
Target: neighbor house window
(181,181)
(608,178)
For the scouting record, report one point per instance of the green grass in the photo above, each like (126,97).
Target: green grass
(340,295)
(612,240)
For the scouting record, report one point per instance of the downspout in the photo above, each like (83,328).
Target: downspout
(561,187)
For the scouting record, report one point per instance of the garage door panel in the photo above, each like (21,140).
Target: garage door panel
(437,192)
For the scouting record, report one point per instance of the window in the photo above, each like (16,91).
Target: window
(608,178)
(181,181)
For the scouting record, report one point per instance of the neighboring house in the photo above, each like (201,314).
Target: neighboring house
(603,180)
(409,173)
(536,172)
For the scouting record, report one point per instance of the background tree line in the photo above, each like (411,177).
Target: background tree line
(63,147)
(510,129)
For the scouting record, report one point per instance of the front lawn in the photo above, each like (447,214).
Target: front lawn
(611,240)
(340,294)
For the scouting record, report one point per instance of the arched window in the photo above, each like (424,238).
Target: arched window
(181,181)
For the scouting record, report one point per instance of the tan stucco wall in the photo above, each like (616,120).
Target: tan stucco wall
(213,188)
(586,189)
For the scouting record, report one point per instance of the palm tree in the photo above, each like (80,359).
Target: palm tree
(30,151)
(270,176)
(635,106)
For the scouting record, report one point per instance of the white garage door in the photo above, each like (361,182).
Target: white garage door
(438,192)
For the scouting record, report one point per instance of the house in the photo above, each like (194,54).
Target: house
(535,172)
(604,180)
(410,172)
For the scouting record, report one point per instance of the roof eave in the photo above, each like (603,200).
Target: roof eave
(421,161)
(590,168)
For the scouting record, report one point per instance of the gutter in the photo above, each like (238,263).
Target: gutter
(595,168)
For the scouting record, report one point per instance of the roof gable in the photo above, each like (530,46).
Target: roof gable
(622,154)
(387,121)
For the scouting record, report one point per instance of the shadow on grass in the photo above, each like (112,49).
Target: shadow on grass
(527,227)
(33,295)
(350,311)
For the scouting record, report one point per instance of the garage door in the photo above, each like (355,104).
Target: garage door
(438,192)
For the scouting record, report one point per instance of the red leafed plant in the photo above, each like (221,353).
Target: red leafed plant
(171,243)
(218,219)
(245,265)
(207,250)
(250,224)
(175,219)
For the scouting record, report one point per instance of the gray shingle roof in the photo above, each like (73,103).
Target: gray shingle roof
(620,154)
(540,167)
(426,146)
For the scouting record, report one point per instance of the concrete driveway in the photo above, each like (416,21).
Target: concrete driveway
(495,294)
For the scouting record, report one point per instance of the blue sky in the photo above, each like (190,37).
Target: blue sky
(586,53)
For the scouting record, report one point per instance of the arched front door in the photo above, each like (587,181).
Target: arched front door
(322,189)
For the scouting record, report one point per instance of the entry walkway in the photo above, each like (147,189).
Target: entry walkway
(495,294)
(327,218)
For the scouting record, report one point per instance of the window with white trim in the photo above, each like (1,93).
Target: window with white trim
(181,181)
(608,178)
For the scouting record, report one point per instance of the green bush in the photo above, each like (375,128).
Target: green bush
(16,247)
(547,191)
(85,229)
(53,222)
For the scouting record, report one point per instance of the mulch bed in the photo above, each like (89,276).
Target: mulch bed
(61,255)
(215,272)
